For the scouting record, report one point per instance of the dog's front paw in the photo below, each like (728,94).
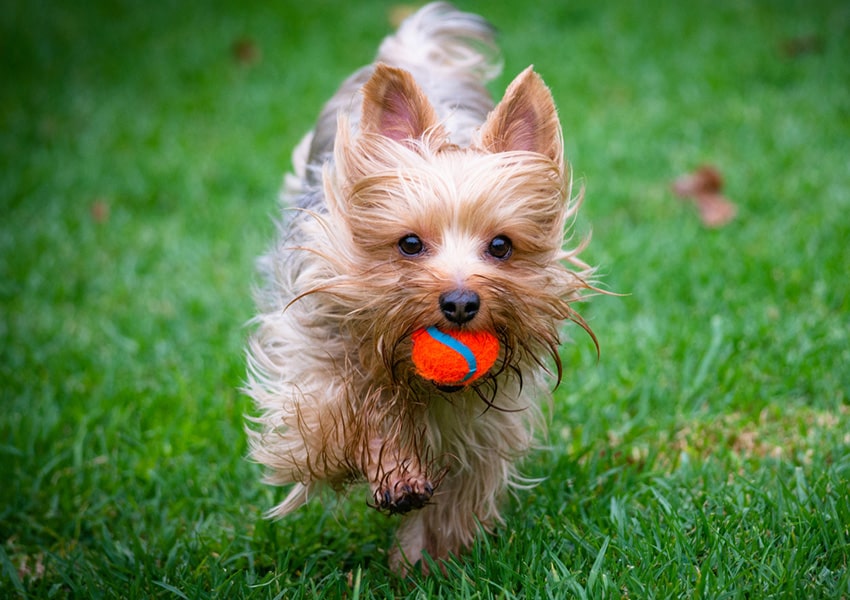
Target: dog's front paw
(403,494)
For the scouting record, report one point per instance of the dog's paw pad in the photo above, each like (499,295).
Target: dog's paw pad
(404,495)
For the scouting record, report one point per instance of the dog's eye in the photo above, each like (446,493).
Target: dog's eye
(500,247)
(411,245)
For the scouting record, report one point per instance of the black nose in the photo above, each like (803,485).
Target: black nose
(460,306)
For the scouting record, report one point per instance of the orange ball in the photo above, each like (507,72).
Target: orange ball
(455,358)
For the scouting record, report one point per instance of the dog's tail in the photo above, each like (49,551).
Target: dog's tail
(452,55)
(440,42)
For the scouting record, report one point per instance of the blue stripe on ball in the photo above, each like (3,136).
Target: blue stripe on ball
(457,346)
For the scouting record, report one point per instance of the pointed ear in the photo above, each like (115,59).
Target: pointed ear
(394,105)
(526,119)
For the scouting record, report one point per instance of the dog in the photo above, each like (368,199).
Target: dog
(416,203)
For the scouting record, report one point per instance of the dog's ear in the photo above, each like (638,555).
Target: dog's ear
(394,106)
(526,119)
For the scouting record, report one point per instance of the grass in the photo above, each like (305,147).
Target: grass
(705,455)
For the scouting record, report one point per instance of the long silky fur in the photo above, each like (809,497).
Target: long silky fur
(329,368)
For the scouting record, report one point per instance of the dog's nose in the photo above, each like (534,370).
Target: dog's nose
(460,306)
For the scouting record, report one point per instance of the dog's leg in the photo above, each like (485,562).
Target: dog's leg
(445,528)
(398,476)
(466,503)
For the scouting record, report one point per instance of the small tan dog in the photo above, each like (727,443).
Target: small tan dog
(416,204)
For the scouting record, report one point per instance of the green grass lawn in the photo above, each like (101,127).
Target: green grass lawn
(706,454)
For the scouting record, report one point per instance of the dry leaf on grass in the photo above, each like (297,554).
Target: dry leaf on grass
(246,52)
(703,188)
(706,179)
(100,211)
(795,47)
(715,210)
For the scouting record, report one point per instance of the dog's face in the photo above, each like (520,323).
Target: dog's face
(429,234)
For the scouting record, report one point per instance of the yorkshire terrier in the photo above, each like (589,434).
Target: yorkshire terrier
(416,204)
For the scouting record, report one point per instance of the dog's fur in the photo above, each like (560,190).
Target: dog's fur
(412,145)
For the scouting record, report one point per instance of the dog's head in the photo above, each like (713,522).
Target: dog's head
(424,233)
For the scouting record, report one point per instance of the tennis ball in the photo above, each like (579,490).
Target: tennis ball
(453,358)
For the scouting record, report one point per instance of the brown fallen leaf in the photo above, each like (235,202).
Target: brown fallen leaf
(705,179)
(100,211)
(715,210)
(703,187)
(795,47)
(246,52)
